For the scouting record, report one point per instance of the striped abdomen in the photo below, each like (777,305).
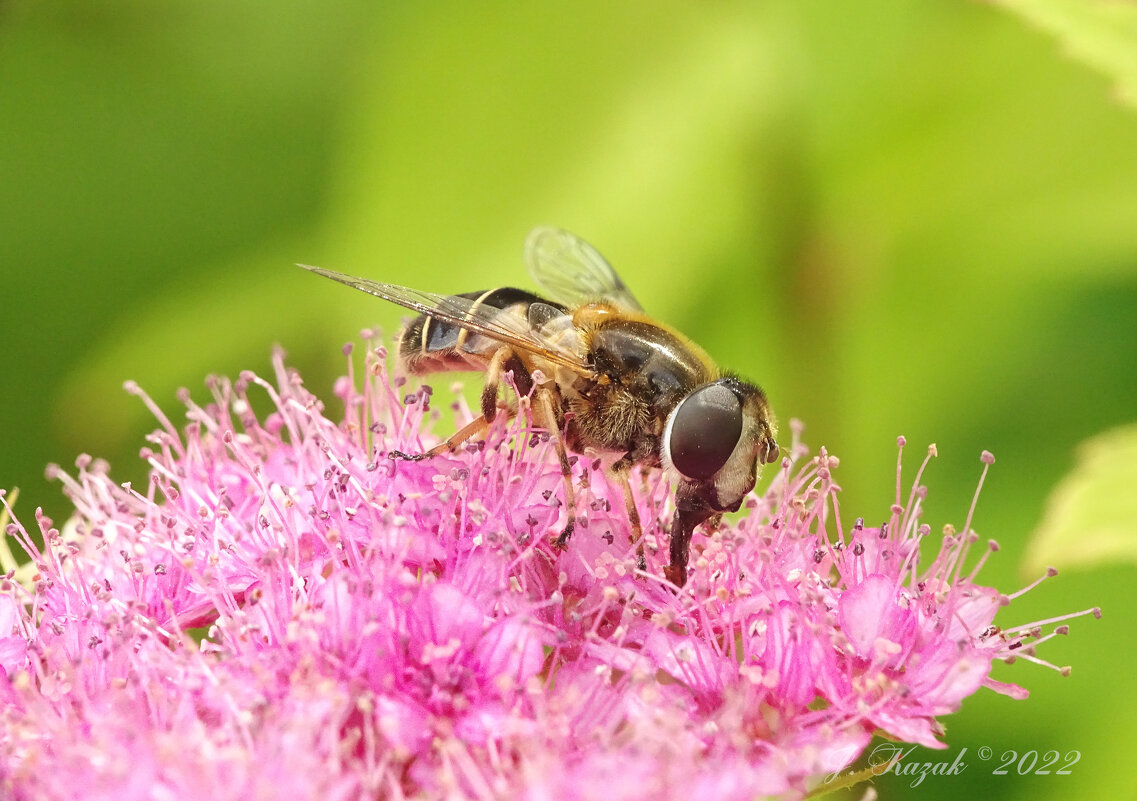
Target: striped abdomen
(429,345)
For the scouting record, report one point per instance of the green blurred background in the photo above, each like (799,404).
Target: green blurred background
(900,218)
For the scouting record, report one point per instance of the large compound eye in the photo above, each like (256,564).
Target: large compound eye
(704,430)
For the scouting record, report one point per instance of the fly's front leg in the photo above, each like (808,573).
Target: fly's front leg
(690,511)
(548,400)
(681,530)
(619,472)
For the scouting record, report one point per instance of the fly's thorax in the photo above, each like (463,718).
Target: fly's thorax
(647,359)
(639,371)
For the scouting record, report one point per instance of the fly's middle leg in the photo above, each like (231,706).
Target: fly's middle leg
(620,472)
(548,407)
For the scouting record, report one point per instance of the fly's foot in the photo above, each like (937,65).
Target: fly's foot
(408,457)
(561,542)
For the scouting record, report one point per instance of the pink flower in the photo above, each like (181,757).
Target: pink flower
(284,607)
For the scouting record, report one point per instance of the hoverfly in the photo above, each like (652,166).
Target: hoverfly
(613,382)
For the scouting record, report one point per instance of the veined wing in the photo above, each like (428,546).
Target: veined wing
(465,313)
(572,271)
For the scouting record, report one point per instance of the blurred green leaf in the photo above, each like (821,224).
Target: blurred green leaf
(1091,518)
(184,335)
(632,132)
(1101,33)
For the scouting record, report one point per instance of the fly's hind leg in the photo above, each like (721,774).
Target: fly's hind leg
(503,360)
(474,428)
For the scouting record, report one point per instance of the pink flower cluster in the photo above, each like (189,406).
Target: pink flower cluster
(284,611)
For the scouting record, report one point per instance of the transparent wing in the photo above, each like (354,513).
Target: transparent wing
(467,314)
(572,271)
